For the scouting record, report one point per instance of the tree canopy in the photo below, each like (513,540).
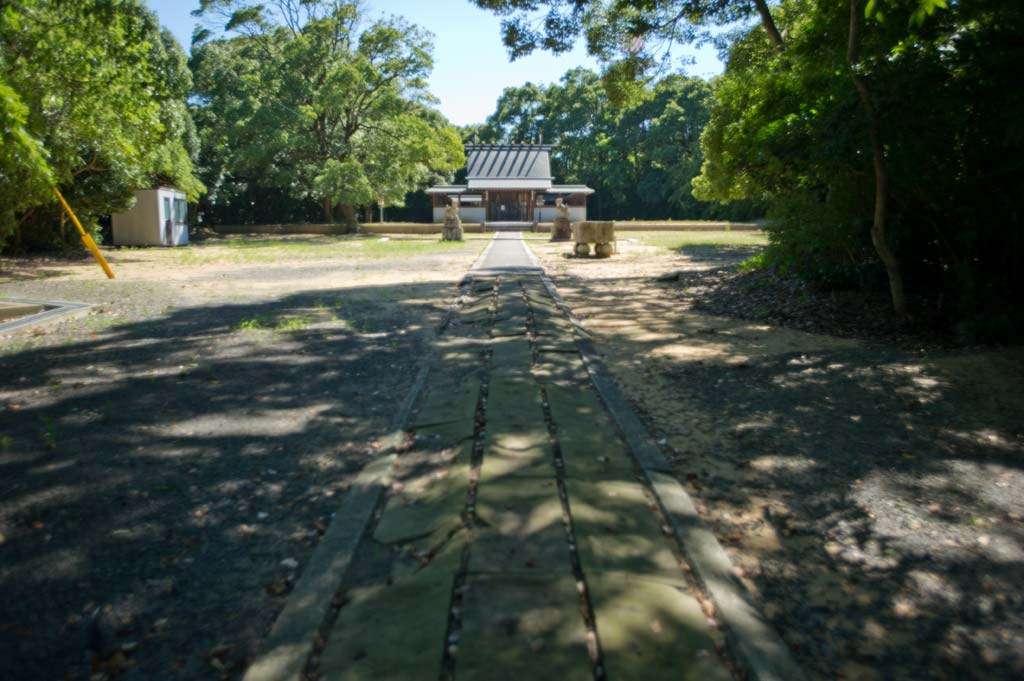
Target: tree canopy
(304,99)
(881,133)
(92,97)
(640,158)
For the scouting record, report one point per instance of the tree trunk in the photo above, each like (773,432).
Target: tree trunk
(769,23)
(350,217)
(368,213)
(380,210)
(328,210)
(879,235)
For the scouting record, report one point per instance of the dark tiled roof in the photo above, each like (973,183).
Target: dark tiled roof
(508,162)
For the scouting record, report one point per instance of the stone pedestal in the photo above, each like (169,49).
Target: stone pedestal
(601,234)
(562,230)
(452,229)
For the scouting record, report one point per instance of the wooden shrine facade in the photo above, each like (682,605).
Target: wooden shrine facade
(509,183)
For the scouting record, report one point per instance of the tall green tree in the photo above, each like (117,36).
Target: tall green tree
(92,97)
(632,38)
(881,131)
(640,157)
(306,99)
(852,50)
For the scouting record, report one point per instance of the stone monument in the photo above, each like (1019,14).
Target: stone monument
(452,223)
(561,231)
(601,234)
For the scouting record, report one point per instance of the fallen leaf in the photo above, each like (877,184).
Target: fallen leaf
(277,588)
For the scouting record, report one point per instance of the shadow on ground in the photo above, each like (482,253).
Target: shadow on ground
(872,498)
(161,483)
(718,253)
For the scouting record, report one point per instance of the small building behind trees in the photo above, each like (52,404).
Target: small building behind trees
(509,183)
(158,218)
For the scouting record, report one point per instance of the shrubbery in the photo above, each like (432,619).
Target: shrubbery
(786,128)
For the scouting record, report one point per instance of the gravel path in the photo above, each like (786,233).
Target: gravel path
(515,534)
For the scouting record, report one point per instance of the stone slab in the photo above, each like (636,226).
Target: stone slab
(505,462)
(519,628)
(394,631)
(652,631)
(591,447)
(517,441)
(476,306)
(559,344)
(511,354)
(439,436)
(561,368)
(502,329)
(520,527)
(428,507)
(617,530)
(514,401)
(448,401)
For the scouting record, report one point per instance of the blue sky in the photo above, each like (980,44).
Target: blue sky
(471,67)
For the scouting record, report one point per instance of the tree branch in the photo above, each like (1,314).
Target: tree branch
(769,23)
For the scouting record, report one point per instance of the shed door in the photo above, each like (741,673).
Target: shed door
(167,223)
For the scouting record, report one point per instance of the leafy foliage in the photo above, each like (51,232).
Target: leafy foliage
(640,158)
(632,38)
(295,97)
(785,129)
(91,97)
(885,130)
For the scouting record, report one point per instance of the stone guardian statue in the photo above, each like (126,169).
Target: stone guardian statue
(452,223)
(561,231)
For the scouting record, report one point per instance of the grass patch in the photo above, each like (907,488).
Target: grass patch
(294,324)
(754,263)
(265,322)
(255,324)
(677,241)
(290,249)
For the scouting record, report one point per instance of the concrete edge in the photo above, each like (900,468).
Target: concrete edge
(60,309)
(480,260)
(292,637)
(760,649)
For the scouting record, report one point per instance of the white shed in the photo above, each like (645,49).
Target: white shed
(158,218)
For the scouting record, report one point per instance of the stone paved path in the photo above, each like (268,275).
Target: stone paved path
(516,540)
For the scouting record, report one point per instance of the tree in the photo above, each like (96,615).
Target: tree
(91,97)
(629,35)
(640,157)
(893,126)
(297,95)
(392,156)
(25,173)
(633,38)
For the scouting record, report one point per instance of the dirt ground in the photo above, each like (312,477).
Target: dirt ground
(168,460)
(872,497)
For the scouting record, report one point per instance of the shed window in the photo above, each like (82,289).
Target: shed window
(180,211)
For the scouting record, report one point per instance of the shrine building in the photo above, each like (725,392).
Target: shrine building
(509,183)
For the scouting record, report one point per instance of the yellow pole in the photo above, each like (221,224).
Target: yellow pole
(86,239)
